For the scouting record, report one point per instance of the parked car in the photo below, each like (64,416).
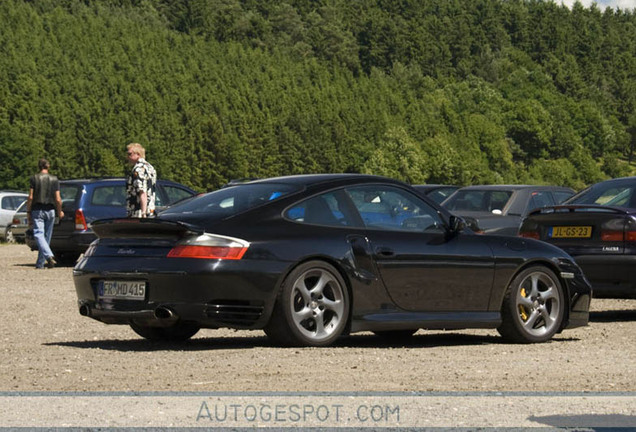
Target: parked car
(16,231)
(499,209)
(436,192)
(308,258)
(87,200)
(597,227)
(9,203)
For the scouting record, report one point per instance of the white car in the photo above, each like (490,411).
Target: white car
(9,202)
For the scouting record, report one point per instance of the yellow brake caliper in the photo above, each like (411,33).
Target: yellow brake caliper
(522,310)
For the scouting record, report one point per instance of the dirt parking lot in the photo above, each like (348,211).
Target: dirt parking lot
(48,346)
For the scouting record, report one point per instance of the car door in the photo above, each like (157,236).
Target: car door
(422,267)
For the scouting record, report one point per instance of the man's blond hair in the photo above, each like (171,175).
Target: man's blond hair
(137,148)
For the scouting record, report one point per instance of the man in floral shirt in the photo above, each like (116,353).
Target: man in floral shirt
(141,184)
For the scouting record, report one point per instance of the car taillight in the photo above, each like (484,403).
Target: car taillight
(529,234)
(618,230)
(209,246)
(629,236)
(529,229)
(80,220)
(15,221)
(610,236)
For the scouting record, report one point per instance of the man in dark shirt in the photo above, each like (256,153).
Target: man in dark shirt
(44,199)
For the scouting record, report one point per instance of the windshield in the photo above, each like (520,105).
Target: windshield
(232,200)
(478,200)
(610,194)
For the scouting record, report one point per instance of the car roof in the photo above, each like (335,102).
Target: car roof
(514,187)
(433,186)
(309,180)
(93,180)
(619,180)
(13,192)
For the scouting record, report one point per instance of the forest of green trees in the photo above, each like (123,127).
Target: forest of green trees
(426,91)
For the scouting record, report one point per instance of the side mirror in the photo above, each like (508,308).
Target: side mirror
(456,223)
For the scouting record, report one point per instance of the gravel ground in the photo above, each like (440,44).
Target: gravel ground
(48,346)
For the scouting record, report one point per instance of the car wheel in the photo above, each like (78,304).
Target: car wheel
(533,307)
(8,236)
(312,307)
(179,332)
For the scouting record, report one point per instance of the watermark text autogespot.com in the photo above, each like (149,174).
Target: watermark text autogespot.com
(305,413)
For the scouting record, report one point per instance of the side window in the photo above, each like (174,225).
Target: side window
(109,196)
(560,196)
(328,209)
(12,202)
(390,208)
(539,199)
(173,194)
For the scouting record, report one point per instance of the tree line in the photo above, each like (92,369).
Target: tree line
(426,91)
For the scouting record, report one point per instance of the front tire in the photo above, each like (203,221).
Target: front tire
(312,307)
(533,307)
(181,331)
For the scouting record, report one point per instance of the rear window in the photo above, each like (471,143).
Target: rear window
(109,196)
(232,200)
(70,192)
(478,200)
(609,195)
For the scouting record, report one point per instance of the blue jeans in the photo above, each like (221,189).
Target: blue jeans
(43,221)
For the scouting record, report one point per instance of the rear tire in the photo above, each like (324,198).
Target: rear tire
(312,307)
(181,331)
(533,307)
(8,236)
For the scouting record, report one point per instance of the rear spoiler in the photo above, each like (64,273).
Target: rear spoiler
(148,228)
(580,208)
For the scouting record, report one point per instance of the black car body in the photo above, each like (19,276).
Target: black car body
(87,200)
(598,228)
(499,209)
(436,192)
(308,258)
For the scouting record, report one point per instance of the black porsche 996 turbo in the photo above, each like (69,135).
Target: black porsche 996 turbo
(309,258)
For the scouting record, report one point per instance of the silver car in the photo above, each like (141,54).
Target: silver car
(16,231)
(9,203)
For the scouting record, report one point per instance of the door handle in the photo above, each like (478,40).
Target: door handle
(385,251)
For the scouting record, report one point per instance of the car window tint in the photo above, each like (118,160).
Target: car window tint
(386,207)
(109,196)
(478,200)
(12,202)
(175,194)
(539,199)
(69,192)
(612,196)
(232,200)
(329,209)
(560,196)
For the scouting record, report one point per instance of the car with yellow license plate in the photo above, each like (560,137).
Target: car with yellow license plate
(597,227)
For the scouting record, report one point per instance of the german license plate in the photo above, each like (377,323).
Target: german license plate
(124,290)
(570,232)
